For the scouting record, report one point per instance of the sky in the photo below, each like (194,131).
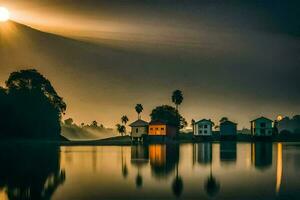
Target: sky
(231,58)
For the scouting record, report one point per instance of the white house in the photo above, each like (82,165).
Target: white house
(261,127)
(203,127)
(138,129)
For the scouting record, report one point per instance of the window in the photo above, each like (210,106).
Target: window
(262,131)
(156,128)
(136,130)
(263,124)
(151,129)
(200,132)
(162,129)
(205,126)
(205,131)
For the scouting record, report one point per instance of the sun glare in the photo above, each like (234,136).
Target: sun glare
(4,14)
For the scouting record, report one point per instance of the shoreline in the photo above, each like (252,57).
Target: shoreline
(126,141)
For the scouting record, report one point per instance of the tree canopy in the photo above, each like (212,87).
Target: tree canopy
(31,108)
(169,115)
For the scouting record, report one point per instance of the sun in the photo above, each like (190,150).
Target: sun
(4,14)
(279,117)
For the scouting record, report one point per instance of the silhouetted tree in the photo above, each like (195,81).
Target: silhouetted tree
(124,119)
(121,129)
(139,109)
(34,107)
(177,98)
(169,115)
(94,124)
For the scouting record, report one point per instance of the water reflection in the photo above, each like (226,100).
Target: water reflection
(202,153)
(156,171)
(261,155)
(139,159)
(163,158)
(228,151)
(30,171)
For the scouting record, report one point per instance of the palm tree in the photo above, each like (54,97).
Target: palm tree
(177,98)
(124,119)
(139,108)
(121,129)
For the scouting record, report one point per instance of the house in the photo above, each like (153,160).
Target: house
(138,129)
(261,126)
(203,128)
(228,129)
(161,129)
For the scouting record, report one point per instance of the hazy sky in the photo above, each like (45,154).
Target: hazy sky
(231,58)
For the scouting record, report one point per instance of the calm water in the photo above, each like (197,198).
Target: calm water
(189,171)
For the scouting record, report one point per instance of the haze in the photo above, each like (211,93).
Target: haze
(238,59)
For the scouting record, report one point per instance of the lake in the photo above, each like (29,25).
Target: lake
(226,170)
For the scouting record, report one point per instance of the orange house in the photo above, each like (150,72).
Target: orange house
(157,128)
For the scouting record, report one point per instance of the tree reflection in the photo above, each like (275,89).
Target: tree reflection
(177,185)
(30,171)
(212,187)
(124,164)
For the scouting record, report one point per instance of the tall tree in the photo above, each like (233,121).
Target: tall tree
(177,98)
(139,109)
(35,107)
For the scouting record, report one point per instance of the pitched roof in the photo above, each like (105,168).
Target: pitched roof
(228,122)
(204,120)
(262,118)
(139,122)
(157,123)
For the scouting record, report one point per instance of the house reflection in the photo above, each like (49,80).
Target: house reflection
(261,155)
(139,159)
(30,171)
(202,153)
(163,159)
(228,151)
